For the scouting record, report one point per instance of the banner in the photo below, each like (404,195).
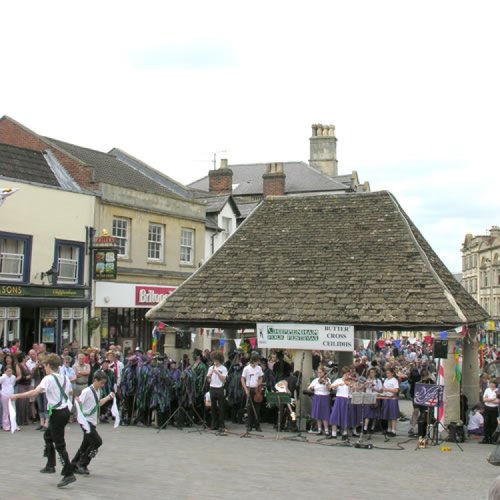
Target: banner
(366,343)
(305,336)
(237,342)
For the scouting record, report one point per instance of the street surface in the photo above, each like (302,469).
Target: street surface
(142,463)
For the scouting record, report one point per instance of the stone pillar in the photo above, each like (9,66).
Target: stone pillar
(345,359)
(229,335)
(451,387)
(470,370)
(307,374)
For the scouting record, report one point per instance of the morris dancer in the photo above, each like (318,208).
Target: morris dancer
(58,389)
(90,401)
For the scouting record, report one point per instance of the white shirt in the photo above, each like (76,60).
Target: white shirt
(88,403)
(476,420)
(8,384)
(390,383)
(251,375)
(489,394)
(341,387)
(374,385)
(320,389)
(52,391)
(215,380)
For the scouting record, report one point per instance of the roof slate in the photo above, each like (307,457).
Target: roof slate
(352,259)
(300,178)
(25,165)
(110,170)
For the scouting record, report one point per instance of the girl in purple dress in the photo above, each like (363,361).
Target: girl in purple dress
(321,401)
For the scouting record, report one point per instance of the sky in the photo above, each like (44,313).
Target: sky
(413,89)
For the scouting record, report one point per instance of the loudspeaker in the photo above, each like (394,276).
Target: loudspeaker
(182,339)
(440,349)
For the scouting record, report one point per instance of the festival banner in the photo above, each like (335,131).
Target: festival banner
(305,336)
(237,342)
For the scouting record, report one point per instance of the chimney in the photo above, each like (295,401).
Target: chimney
(273,181)
(323,149)
(221,181)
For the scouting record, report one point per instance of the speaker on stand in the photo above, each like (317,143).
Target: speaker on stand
(440,349)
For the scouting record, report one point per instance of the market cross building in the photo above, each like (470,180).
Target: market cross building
(351,259)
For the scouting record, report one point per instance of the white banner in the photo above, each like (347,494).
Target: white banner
(237,342)
(366,343)
(303,336)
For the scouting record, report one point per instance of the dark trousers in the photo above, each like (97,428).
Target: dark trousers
(54,440)
(490,421)
(217,407)
(88,449)
(253,411)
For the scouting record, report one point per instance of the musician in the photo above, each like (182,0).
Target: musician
(251,380)
(216,376)
(340,416)
(390,403)
(372,412)
(321,401)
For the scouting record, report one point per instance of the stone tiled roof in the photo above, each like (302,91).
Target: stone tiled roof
(25,165)
(352,259)
(300,178)
(111,170)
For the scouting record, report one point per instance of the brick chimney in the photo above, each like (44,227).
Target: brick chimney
(220,181)
(273,181)
(323,149)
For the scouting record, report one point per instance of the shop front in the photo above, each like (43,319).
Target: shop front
(122,308)
(53,315)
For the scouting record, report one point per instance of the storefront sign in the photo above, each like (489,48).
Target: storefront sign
(105,264)
(151,295)
(40,291)
(105,240)
(308,337)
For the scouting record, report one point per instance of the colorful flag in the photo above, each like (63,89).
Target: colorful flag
(439,412)
(457,376)
(155,336)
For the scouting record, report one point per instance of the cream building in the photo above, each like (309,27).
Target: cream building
(44,295)
(481,272)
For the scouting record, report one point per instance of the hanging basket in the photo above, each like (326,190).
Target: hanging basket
(94,323)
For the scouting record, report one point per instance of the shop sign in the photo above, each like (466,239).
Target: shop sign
(105,264)
(151,295)
(305,336)
(105,240)
(40,291)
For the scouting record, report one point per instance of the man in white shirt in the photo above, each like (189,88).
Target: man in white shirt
(90,402)
(216,375)
(490,400)
(57,388)
(251,380)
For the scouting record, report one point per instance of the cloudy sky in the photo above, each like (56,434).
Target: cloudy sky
(413,89)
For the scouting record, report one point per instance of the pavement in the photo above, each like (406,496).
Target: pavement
(140,462)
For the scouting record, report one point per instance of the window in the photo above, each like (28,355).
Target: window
(15,257)
(155,242)
(121,231)
(227,225)
(69,265)
(187,242)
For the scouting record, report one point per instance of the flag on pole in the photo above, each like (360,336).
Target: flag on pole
(156,336)
(457,376)
(439,412)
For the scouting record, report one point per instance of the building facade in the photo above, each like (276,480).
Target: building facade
(481,274)
(44,288)
(154,227)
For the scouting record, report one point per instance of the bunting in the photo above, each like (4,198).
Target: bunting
(457,376)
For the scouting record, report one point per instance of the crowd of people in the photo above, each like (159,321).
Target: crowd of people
(208,388)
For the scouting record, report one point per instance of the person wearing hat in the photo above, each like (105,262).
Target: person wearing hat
(251,380)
